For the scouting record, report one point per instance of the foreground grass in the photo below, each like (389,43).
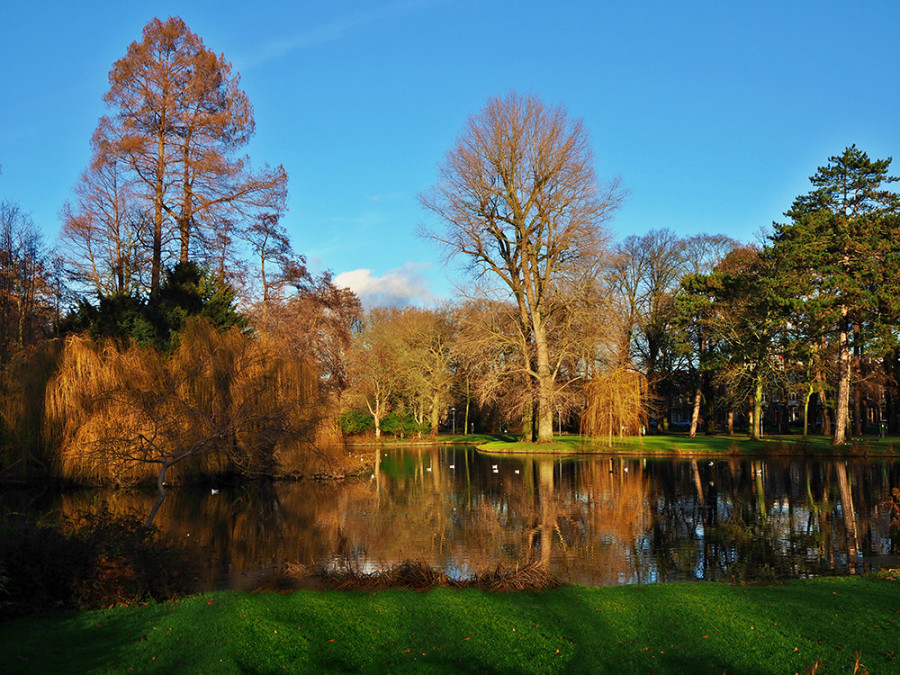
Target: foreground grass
(701,445)
(661,628)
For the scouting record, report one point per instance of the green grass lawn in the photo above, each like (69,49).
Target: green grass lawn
(658,628)
(675,443)
(442,439)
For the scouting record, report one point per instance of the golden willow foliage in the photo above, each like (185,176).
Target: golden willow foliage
(22,385)
(615,404)
(222,401)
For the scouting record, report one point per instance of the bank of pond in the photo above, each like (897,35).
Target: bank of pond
(701,445)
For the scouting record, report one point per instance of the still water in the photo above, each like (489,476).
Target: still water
(593,520)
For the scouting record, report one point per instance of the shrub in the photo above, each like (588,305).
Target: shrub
(355,422)
(101,561)
(403,425)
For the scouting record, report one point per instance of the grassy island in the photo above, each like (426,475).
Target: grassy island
(680,444)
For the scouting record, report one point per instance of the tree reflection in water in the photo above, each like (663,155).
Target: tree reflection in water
(590,520)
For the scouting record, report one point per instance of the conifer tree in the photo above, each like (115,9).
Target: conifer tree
(840,258)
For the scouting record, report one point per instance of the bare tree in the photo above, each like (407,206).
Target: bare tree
(26,286)
(375,376)
(104,230)
(520,201)
(316,321)
(178,119)
(490,356)
(279,267)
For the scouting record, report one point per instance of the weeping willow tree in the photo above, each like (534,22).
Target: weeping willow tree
(221,401)
(615,404)
(23,381)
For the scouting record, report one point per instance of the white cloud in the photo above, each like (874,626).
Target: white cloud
(404,286)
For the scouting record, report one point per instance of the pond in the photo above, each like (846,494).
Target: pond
(592,520)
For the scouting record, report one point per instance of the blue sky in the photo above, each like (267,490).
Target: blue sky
(713,114)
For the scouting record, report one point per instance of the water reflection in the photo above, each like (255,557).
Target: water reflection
(599,521)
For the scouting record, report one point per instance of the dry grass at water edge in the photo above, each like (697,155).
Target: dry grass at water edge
(418,575)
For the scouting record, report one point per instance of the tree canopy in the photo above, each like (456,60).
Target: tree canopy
(519,201)
(840,258)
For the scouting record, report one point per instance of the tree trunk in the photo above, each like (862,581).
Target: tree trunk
(826,415)
(156,262)
(806,400)
(843,393)
(376,416)
(695,413)
(21,303)
(528,418)
(731,422)
(436,413)
(545,384)
(466,431)
(756,425)
(711,421)
(184,222)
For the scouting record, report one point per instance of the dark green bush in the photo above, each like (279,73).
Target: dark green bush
(355,422)
(403,425)
(102,561)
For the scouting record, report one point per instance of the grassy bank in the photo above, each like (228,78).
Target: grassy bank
(662,628)
(442,439)
(702,445)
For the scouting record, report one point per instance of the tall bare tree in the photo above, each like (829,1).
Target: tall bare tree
(178,119)
(520,202)
(104,230)
(26,284)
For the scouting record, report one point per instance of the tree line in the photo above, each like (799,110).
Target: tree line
(175,324)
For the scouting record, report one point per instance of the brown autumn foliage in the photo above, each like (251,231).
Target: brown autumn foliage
(166,178)
(615,404)
(221,401)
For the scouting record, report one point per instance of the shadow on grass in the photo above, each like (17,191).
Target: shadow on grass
(662,628)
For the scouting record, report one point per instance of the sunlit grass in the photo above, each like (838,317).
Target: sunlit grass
(664,628)
(682,443)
